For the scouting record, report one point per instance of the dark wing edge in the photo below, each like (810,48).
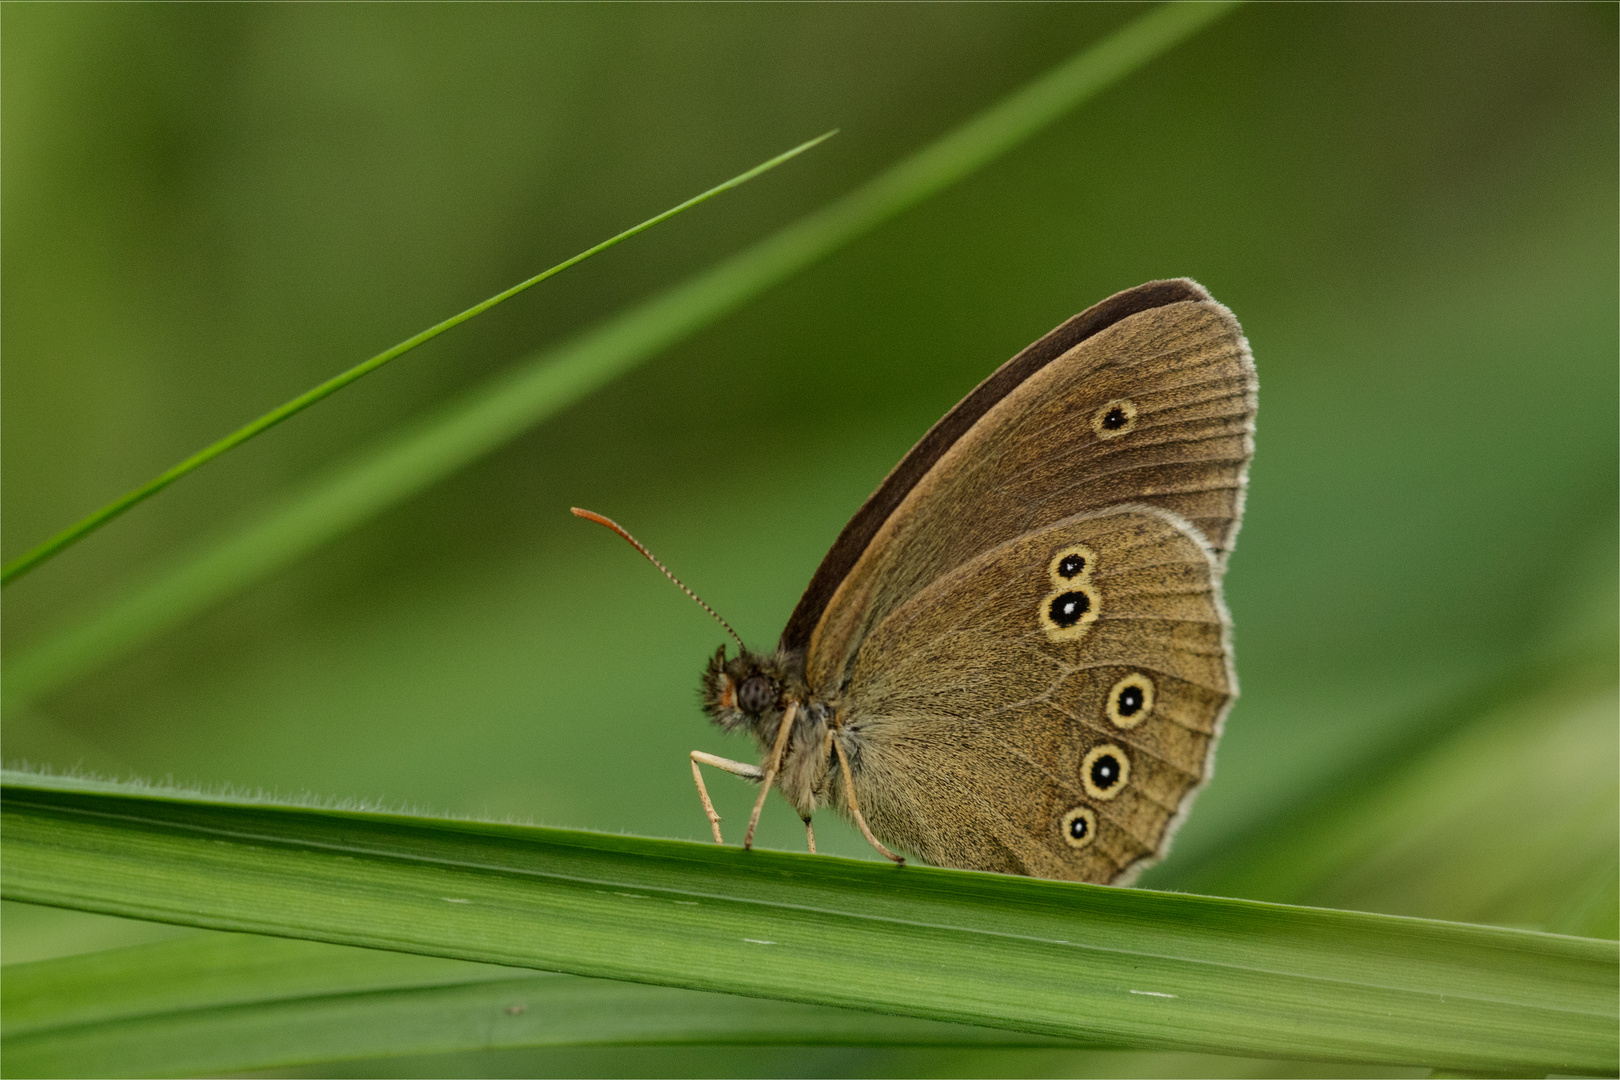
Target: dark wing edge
(847,549)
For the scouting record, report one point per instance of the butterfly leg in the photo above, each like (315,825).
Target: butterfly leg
(771,768)
(737,768)
(855,807)
(810,835)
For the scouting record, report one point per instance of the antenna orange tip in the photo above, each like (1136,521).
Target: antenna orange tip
(637,544)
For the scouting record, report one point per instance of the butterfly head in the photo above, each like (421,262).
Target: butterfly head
(750,691)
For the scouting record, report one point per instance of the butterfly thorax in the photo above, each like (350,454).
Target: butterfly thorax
(751,693)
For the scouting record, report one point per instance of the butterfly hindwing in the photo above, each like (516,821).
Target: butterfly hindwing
(1078,673)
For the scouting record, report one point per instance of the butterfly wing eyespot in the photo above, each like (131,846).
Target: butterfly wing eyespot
(1115,418)
(1068,613)
(1130,701)
(1073,563)
(1079,827)
(1105,771)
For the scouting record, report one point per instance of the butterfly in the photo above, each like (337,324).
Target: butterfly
(1016,656)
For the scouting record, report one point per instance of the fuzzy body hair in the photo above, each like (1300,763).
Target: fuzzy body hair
(750,694)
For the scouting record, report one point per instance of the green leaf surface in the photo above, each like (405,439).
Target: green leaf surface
(1426,829)
(1127,967)
(487,416)
(227,1003)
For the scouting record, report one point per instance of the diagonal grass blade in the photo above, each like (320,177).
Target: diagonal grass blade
(80,529)
(436,445)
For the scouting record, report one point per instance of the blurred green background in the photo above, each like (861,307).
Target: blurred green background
(208,209)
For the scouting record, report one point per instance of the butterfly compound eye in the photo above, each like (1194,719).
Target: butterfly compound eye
(1079,827)
(756,694)
(1115,418)
(1105,771)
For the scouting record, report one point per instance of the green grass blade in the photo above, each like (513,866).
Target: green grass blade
(219,1003)
(225,1003)
(79,530)
(431,448)
(1427,828)
(1125,967)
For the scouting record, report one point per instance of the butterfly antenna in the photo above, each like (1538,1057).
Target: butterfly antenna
(616,527)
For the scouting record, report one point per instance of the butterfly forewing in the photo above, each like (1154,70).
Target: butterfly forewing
(1155,409)
(993,736)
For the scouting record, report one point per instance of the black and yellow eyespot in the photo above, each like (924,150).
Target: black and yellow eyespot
(1105,771)
(1073,563)
(1115,418)
(1079,827)
(1066,614)
(1130,701)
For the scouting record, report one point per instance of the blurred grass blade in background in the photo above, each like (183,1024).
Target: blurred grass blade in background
(1435,825)
(486,417)
(1125,967)
(218,1003)
(78,531)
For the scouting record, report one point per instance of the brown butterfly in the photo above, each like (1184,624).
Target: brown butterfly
(1016,657)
